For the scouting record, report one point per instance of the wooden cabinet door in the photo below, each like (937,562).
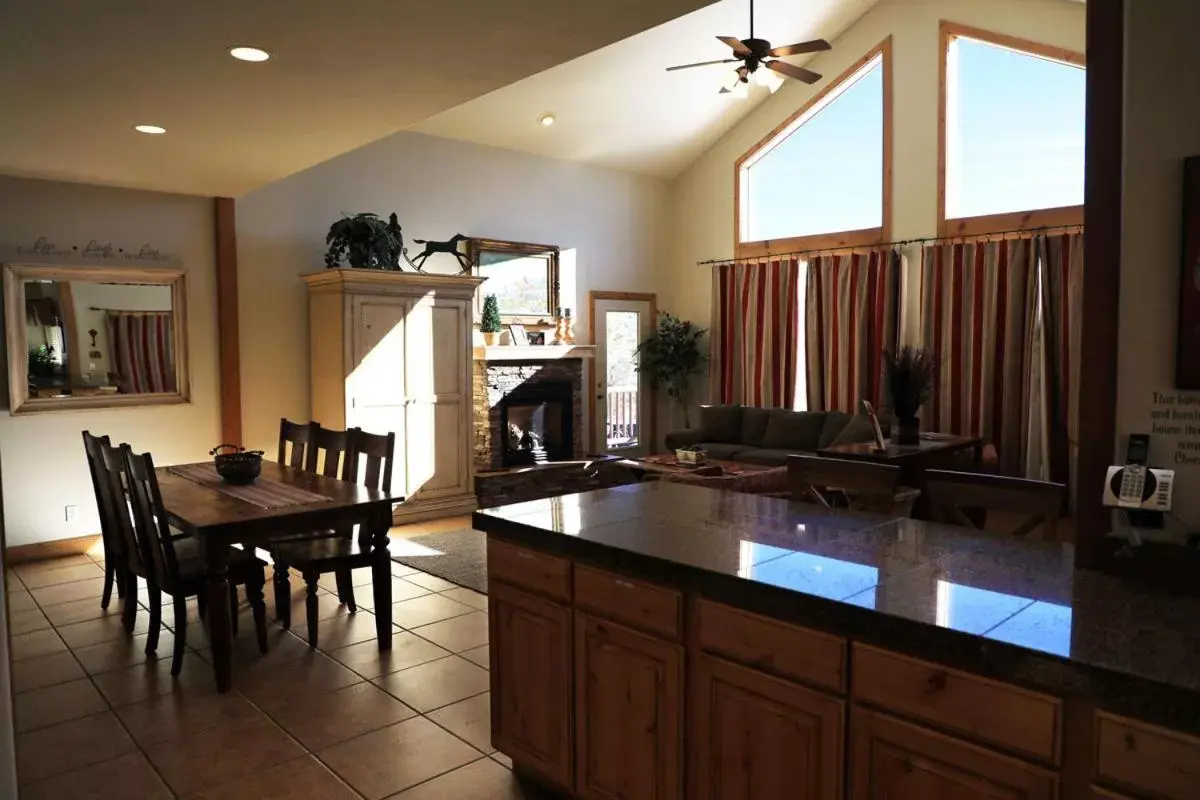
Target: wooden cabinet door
(628,697)
(756,737)
(531,681)
(894,760)
(375,394)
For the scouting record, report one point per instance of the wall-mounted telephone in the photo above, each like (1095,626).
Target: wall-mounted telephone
(1135,485)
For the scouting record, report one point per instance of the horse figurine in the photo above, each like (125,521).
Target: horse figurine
(449,246)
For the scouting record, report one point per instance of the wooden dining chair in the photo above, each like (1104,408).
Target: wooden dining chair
(174,563)
(293,443)
(953,495)
(114,502)
(867,486)
(345,551)
(114,566)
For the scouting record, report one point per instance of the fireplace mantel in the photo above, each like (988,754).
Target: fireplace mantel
(549,352)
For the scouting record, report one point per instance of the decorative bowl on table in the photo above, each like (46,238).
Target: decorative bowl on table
(236,465)
(692,457)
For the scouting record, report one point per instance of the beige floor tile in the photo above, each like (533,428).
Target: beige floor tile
(478,655)
(119,653)
(13,582)
(480,780)
(340,631)
(502,760)
(358,577)
(224,753)
(427,609)
(468,597)
(52,563)
(458,634)
(302,779)
(34,673)
(103,629)
(128,777)
(401,570)
(436,684)
(364,596)
(153,678)
(70,745)
(20,601)
(50,705)
(53,577)
(470,720)
(69,592)
(431,582)
(325,719)
(186,714)
(328,606)
(27,621)
(407,651)
(38,643)
(397,757)
(431,526)
(81,610)
(303,677)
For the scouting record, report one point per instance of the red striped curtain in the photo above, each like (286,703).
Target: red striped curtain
(1062,298)
(978,308)
(143,351)
(755,333)
(851,317)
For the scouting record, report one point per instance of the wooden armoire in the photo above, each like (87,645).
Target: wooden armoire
(391,351)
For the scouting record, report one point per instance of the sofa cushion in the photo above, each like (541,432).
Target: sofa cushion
(794,430)
(835,421)
(721,423)
(764,457)
(754,424)
(723,451)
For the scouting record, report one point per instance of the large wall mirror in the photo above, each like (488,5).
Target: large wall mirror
(92,337)
(524,278)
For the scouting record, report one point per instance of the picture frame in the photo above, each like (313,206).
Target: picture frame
(518,335)
(523,276)
(537,338)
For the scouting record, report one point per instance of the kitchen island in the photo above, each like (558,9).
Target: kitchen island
(660,640)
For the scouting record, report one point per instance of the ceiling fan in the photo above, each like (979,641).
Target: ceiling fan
(755,53)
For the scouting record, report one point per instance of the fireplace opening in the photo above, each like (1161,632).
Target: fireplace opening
(535,424)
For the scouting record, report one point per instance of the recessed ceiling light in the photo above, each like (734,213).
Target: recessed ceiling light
(547,120)
(249,54)
(153,129)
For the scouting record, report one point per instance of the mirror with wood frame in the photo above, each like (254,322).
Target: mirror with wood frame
(523,276)
(94,337)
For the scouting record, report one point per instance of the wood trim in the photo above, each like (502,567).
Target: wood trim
(652,299)
(993,223)
(228,343)
(841,238)
(66,301)
(40,551)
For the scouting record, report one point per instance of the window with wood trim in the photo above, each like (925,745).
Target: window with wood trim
(1010,133)
(822,178)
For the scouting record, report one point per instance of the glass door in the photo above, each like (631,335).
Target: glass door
(624,409)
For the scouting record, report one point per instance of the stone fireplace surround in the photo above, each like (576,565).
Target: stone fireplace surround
(493,379)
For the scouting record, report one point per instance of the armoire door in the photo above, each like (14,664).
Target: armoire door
(437,382)
(375,391)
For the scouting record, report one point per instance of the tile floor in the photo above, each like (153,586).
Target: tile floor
(96,719)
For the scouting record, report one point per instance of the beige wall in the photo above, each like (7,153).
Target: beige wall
(44,469)
(1162,126)
(609,224)
(702,197)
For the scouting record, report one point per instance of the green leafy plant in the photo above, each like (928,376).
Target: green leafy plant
(41,361)
(364,241)
(489,321)
(671,356)
(911,373)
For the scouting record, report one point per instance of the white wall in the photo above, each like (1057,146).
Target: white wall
(612,221)
(1162,126)
(702,197)
(44,468)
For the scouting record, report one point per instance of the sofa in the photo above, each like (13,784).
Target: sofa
(767,436)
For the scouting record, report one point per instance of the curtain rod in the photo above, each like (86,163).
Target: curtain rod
(981,237)
(126,310)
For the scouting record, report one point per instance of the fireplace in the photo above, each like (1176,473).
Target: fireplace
(535,424)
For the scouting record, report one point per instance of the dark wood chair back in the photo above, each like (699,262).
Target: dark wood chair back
(114,502)
(376,451)
(150,520)
(1040,503)
(296,434)
(328,451)
(868,486)
(104,501)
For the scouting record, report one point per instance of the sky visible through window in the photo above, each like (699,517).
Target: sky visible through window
(827,176)
(1015,131)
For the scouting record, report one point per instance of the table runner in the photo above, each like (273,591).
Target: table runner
(264,492)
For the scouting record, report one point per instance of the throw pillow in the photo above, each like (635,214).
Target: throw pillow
(721,424)
(754,424)
(835,421)
(794,430)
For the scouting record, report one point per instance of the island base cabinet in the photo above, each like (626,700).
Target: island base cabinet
(531,682)
(628,695)
(893,760)
(756,737)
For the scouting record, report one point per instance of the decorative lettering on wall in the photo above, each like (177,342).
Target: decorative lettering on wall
(1175,417)
(44,250)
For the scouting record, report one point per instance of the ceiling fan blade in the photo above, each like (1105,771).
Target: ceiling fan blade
(739,49)
(703,64)
(792,71)
(815,46)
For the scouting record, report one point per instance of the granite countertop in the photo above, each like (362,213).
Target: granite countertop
(1010,607)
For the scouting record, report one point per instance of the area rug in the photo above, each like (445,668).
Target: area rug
(456,556)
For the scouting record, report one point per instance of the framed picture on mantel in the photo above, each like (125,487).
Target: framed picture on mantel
(1187,352)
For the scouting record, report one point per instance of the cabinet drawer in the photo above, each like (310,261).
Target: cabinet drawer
(772,645)
(999,713)
(1147,758)
(520,566)
(642,605)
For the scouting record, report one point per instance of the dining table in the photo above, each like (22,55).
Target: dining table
(282,502)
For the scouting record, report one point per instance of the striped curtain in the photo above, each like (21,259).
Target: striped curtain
(851,317)
(978,309)
(143,351)
(755,333)
(1062,297)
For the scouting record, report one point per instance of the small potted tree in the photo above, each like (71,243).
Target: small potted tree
(489,321)
(910,373)
(671,356)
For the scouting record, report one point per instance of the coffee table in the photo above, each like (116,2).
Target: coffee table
(665,463)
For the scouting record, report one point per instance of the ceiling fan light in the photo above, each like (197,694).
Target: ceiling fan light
(772,80)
